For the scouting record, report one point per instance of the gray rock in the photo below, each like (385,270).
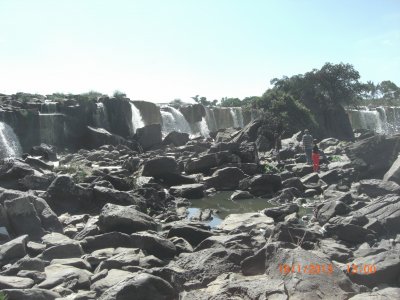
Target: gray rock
(246,222)
(190,191)
(30,294)
(331,281)
(140,287)
(124,219)
(13,249)
(62,251)
(261,184)
(106,240)
(387,269)
(279,212)
(375,187)
(385,293)
(331,208)
(176,138)
(103,195)
(239,195)
(393,174)
(63,275)
(153,244)
(160,166)
(111,279)
(191,234)
(335,250)
(225,179)
(14,282)
(149,136)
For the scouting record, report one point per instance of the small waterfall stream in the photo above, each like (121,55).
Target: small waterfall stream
(173,120)
(52,128)
(383,119)
(237,117)
(9,143)
(137,120)
(101,117)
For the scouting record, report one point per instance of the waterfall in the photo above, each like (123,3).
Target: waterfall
(9,143)
(137,121)
(48,107)
(210,119)
(237,117)
(173,120)
(380,119)
(51,128)
(202,128)
(100,116)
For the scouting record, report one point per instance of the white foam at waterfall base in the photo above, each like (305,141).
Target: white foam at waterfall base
(173,120)
(137,121)
(202,128)
(9,143)
(368,119)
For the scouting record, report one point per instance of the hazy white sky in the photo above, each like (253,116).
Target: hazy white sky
(159,50)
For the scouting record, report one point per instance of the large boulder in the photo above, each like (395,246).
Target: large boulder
(375,187)
(372,157)
(63,195)
(383,214)
(153,244)
(204,163)
(226,178)
(160,167)
(45,151)
(96,137)
(261,184)
(149,112)
(30,294)
(140,287)
(149,136)
(307,275)
(193,113)
(31,215)
(190,191)
(11,170)
(13,249)
(124,219)
(393,174)
(176,138)
(192,234)
(331,209)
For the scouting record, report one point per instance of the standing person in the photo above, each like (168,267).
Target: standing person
(315,157)
(307,145)
(278,145)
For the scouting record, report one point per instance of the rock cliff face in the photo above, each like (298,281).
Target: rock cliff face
(149,111)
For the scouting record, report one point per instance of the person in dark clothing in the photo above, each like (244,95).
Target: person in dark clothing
(315,157)
(307,145)
(278,145)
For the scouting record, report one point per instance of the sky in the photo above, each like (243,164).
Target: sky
(160,50)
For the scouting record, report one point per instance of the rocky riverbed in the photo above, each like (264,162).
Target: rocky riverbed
(112,223)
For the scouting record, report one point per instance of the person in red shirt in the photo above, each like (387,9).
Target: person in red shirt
(315,157)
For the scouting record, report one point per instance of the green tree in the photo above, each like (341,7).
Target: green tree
(231,102)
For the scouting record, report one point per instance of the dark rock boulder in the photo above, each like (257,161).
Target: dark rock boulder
(45,151)
(225,179)
(96,137)
(278,213)
(124,219)
(63,195)
(160,167)
(140,287)
(383,214)
(14,170)
(373,157)
(13,250)
(193,113)
(261,184)
(176,138)
(204,163)
(153,244)
(149,136)
(192,234)
(30,294)
(375,187)
(119,115)
(190,191)
(330,209)
(149,111)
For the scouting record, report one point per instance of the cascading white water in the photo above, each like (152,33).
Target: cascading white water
(173,120)
(51,128)
(237,116)
(48,107)
(380,119)
(137,121)
(9,143)
(202,128)
(210,119)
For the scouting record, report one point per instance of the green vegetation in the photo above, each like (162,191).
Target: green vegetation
(3,296)
(80,172)
(272,169)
